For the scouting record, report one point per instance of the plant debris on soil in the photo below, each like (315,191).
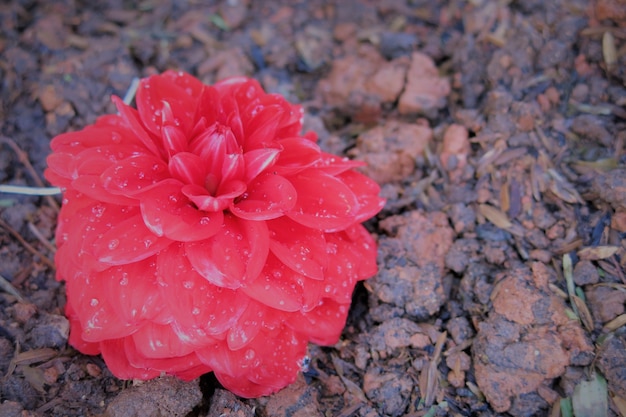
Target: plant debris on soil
(496,130)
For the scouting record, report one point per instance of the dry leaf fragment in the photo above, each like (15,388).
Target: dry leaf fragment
(620,403)
(353,388)
(609,51)
(597,252)
(495,216)
(561,188)
(615,324)
(583,312)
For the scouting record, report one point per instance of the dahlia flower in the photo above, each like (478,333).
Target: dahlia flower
(202,232)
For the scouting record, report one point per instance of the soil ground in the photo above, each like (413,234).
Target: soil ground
(496,129)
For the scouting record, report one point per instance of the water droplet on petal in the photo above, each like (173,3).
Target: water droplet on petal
(204,221)
(94,302)
(114,243)
(195,311)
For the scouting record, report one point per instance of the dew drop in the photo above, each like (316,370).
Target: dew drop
(195,311)
(249,355)
(98,210)
(94,302)
(114,243)
(116,137)
(327,288)
(188,284)
(204,221)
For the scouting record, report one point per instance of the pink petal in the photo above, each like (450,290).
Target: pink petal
(351,260)
(297,155)
(133,290)
(92,187)
(187,168)
(193,301)
(335,165)
(213,145)
(127,241)
(76,331)
(233,256)
(202,200)
(300,248)
(174,140)
(108,130)
(267,197)
(261,129)
(98,318)
(366,191)
(157,341)
(114,354)
(322,325)
(248,326)
(281,359)
(258,160)
(61,165)
(132,175)
(96,159)
(167,212)
(158,89)
(82,229)
(324,202)
(233,167)
(186,367)
(276,287)
(131,117)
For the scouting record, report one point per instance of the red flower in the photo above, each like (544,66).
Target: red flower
(201,232)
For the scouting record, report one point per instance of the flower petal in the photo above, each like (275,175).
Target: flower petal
(298,154)
(127,241)
(131,175)
(322,325)
(353,259)
(366,191)
(267,197)
(187,168)
(276,287)
(133,290)
(248,326)
(193,301)
(186,367)
(280,360)
(168,87)
(334,165)
(98,318)
(233,256)
(158,341)
(324,202)
(259,160)
(114,354)
(167,212)
(92,187)
(300,248)
(131,117)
